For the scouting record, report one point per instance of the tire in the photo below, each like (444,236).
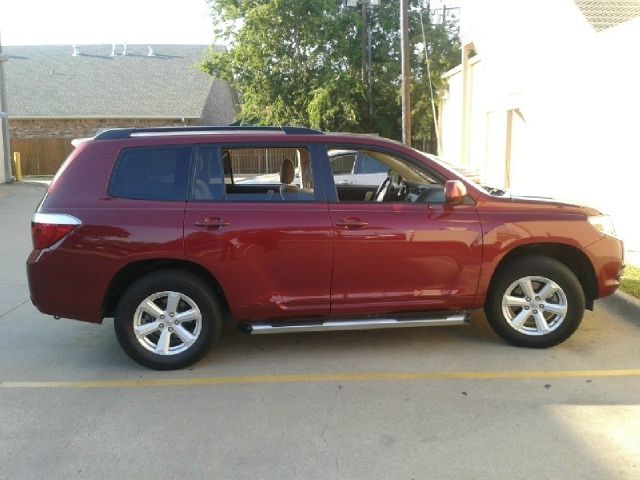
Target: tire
(516,316)
(148,308)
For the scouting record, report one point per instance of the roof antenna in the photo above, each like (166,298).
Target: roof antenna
(124,48)
(113,49)
(151,53)
(76,51)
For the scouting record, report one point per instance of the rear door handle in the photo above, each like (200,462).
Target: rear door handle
(351,223)
(212,223)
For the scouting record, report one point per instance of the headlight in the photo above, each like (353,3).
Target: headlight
(603,224)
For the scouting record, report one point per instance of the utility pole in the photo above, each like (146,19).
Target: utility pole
(363,56)
(5,162)
(369,82)
(363,43)
(406,72)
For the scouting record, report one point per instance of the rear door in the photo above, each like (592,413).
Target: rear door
(270,251)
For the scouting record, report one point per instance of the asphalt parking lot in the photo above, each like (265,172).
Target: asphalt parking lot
(397,404)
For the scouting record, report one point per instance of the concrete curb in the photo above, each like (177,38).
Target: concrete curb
(627,300)
(27,184)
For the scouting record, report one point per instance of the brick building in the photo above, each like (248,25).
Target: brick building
(58,93)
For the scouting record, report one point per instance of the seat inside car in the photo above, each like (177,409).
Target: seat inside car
(287,176)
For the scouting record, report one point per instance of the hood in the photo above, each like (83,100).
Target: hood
(547,204)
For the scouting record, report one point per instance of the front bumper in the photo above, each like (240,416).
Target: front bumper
(607,258)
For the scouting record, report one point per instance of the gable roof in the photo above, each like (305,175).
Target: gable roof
(603,14)
(48,81)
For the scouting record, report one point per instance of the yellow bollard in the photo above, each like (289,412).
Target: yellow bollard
(17,167)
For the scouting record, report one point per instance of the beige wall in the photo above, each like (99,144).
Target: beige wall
(575,98)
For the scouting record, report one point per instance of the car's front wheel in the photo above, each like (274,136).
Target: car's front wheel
(535,302)
(167,320)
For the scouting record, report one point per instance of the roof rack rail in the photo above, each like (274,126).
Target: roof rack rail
(121,133)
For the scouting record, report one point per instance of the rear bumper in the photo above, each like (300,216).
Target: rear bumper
(60,285)
(607,258)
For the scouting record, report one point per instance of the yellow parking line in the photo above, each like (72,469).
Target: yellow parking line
(329,377)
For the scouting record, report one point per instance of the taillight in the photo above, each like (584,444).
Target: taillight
(49,228)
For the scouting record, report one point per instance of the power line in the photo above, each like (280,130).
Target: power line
(433,102)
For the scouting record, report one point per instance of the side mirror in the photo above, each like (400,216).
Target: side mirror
(454,192)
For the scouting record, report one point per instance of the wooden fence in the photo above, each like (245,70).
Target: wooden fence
(41,156)
(260,160)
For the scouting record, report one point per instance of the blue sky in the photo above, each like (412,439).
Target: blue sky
(51,22)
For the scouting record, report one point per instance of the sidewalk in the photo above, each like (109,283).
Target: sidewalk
(41,179)
(632,258)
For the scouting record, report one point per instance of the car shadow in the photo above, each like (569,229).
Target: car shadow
(237,347)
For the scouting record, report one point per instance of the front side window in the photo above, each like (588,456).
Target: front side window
(342,163)
(367,164)
(390,179)
(159,173)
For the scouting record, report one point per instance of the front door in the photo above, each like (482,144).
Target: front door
(402,248)
(266,241)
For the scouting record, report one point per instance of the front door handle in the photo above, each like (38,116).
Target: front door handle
(351,223)
(210,222)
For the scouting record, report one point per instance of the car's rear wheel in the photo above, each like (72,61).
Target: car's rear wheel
(167,320)
(535,302)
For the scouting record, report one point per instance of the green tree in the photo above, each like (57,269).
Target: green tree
(292,62)
(298,63)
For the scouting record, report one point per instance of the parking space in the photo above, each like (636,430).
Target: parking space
(410,403)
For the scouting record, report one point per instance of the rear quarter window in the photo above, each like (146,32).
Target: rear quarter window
(158,173)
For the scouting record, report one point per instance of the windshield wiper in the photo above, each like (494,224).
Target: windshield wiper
(494,191)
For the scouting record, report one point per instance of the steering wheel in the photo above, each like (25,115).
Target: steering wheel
(382,190)
(402,189)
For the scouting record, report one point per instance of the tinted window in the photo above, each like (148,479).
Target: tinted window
(208,175)
(152,174)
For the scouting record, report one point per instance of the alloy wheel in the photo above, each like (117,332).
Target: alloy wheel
(534,305)
(167,323)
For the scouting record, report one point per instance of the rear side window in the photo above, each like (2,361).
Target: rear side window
(254,174)
(159,173)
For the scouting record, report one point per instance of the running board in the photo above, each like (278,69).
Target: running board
(442,320)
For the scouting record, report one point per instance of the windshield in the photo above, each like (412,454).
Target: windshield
(474,181)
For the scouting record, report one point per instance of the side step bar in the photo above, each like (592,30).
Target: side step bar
(447,319)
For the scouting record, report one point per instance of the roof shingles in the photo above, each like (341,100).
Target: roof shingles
(603,14)
(47,81)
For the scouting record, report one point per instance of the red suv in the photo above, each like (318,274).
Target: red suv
(172,231)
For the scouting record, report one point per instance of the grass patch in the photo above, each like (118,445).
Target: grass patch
(631,281)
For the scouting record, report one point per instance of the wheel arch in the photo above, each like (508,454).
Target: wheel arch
(573,258)
(135,270)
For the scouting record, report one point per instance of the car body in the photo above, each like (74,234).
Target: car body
(289,256)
